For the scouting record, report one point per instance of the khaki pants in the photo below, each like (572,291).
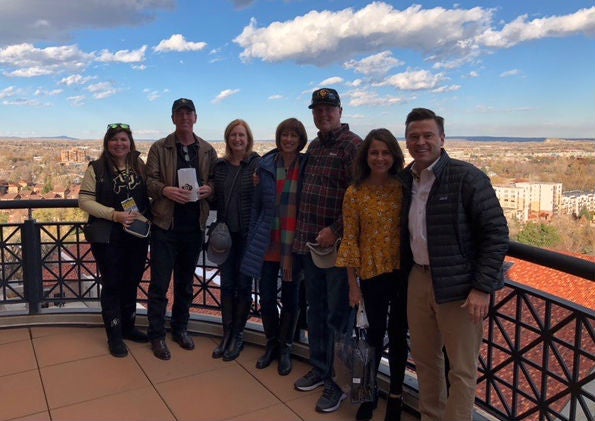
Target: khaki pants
(433,326)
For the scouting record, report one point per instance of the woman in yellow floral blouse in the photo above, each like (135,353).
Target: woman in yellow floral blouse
(370,252)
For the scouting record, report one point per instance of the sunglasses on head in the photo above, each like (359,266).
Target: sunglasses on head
(118,126)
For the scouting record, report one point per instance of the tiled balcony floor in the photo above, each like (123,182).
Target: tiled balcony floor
(67,373)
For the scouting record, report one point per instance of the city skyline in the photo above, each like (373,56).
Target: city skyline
(510,69)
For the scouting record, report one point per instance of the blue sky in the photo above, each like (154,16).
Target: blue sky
(507,68)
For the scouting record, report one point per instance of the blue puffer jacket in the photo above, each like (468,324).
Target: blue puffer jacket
(466,230)
(264,210)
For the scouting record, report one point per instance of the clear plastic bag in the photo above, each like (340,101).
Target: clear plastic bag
(363,372)
(355,371)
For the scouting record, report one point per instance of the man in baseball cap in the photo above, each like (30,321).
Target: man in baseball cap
(326,96)
(178,224)
(182,103)
(320,221)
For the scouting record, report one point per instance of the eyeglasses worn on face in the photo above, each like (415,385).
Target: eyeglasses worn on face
(118,126)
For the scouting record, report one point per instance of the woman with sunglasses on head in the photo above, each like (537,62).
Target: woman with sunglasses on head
(114,189)
(370,250)
(234,190)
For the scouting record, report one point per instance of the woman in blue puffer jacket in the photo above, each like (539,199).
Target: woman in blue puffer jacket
(270,239)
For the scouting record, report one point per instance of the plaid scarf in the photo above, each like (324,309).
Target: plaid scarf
(285,221)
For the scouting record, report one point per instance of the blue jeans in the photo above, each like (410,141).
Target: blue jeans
(177,252)
(327,296)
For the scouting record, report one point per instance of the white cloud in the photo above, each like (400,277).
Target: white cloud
(413,80)
(8,92)
(29,72)
(473,74)
(153,95)
(363,98)
(223,95)
(102,90)
(177,43)
(376,64)
(521,30)
(445,88)
(457,36)
(275,97)
(509,73)
(44,92)
(75,80)
(335,80)
(327,37)
(122,56)
(76,101)
(29,61)
(23,102)
(56,20)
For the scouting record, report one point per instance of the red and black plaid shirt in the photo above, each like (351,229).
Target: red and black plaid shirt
(327,175)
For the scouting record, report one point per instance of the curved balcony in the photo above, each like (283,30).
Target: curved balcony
(537,361)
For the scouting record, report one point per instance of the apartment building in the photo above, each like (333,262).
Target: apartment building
(574,201)
(525,200)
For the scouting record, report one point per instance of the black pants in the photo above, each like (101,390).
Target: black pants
(233,282)
(121,264)
(384,295)
(178,252)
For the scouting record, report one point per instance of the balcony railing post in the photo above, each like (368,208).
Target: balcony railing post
(32,279)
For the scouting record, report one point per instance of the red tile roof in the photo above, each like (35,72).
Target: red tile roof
(572,288)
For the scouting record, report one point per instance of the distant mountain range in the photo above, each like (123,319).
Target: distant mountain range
(516,139)
(449,138)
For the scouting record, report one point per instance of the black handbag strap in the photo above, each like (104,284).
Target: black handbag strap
(233,183)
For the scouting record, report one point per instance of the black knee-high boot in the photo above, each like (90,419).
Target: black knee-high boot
(270,323)
(240,316)
(115,341)
(287,328)
(129,329)
(226,321)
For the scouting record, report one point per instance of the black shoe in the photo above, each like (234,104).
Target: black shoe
(183,339)
(331,398)
(310,381)
(236,344)
(285,365)
(160,349)
(270,353)
(117,348)
(220,350)
(135,335)
(366,410)
(394,406)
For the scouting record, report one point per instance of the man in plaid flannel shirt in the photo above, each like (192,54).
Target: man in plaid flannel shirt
(327,175)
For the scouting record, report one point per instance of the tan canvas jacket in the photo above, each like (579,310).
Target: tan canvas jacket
(161,172)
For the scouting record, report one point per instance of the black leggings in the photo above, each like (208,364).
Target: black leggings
(386,295)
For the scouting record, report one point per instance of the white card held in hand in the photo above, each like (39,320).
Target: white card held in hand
(187,180)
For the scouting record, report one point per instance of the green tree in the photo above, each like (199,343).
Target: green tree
(48,186)
(584,213)
(539,235)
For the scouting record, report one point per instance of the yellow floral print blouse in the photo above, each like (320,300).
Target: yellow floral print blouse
(371,229)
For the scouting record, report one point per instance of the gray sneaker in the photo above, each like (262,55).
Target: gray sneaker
(331,398)
(310,381)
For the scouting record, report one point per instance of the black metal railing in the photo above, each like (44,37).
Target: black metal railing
(537,361)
